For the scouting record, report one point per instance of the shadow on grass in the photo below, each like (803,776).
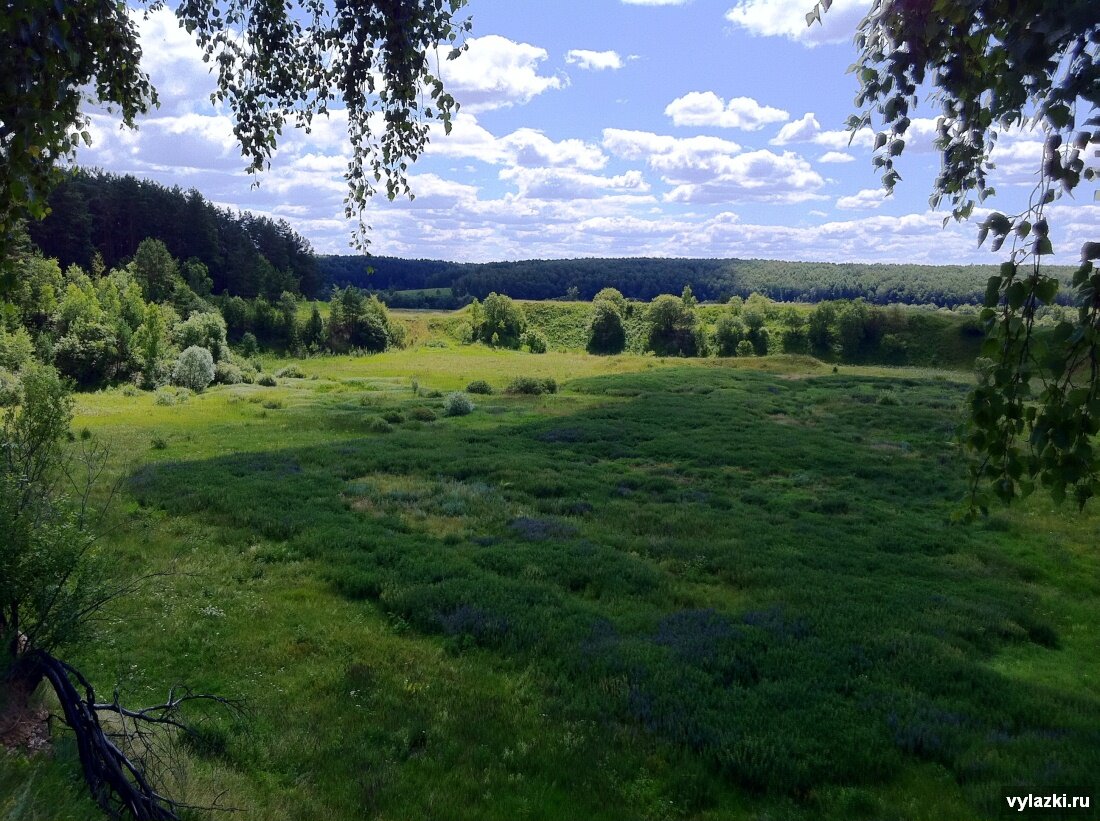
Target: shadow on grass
(759,571)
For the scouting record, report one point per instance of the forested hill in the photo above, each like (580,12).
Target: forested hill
(246,255)
(645,278)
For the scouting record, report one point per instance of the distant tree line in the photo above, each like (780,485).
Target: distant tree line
(712,280)
(95,213)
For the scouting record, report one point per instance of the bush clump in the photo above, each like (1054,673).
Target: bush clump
(422,414)
(11,389)
(227,373)
(290,372)
(171,396)
(194,369)
(535,342)
(532,386)
(379,425)
(479,386)
(267,380)
(457,404)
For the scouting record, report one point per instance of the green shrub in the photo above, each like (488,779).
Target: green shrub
(499,321)
(422,414)
(745,348)
(194,369)
(205,330)
(227,373)
(728,333)
(671,326)
(16,348)
(249,345)
(267,380)
(394,417)
(606,332)
(171,396)
(457,404)
(532,386)
(11,388)
(535,342)
(273,404)
(479,386)
(290,372)
(379,425)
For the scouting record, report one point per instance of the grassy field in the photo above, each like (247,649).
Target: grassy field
(707,589)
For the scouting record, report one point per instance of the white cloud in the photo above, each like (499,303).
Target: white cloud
(807,129)
(533,148)
(524,146)
(864,199)
(567,183)
(787,18)
(757,176)
(495,72)
(712,170)
(705,108)
(835,157)
(173,61)
(799,130)
(665,152)
(594,60)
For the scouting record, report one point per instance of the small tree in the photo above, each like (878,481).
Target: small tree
(615,296)
(52,586)
(671,327)
(502,320)
(194,369)
(821,328)
(151,344)
(155,270)
(745,348)
(205,330)
(728,333)
(606,333)
(313,334)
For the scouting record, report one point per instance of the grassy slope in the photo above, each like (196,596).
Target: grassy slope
(678,589)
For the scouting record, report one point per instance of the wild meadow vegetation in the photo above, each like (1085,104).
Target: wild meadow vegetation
(461,581)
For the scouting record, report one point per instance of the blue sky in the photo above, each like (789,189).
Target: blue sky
(679,128)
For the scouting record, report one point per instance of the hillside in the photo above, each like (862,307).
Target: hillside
(645,278)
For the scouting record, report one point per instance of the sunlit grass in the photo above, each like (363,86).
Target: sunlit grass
(677,589)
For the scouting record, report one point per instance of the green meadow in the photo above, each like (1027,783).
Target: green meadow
(674,589)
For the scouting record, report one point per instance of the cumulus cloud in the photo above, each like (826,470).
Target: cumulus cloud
(864,199)
(807,129)
(757,176)
(568,183)
(524,146)
(799,130)
(495,72)
(712,170)
(787,18)
(835,157)
(705,108)
(664,152)
(594,60)
(173,61)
